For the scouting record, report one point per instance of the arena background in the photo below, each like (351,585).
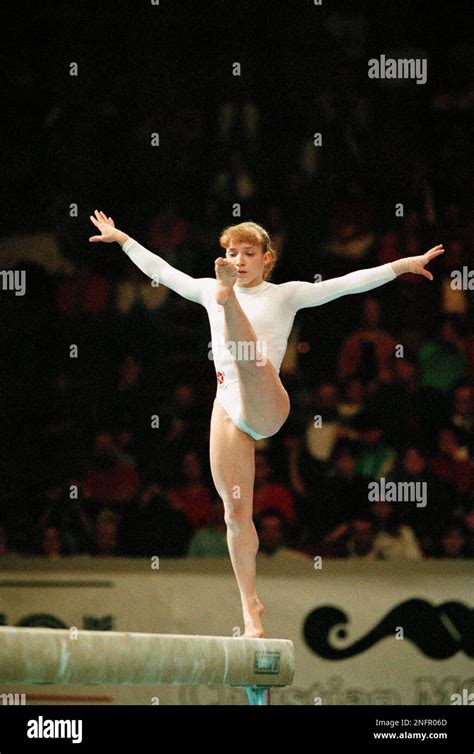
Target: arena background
(178,119)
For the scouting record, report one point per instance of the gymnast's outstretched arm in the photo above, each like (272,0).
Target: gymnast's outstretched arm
(301,295)
(151,264)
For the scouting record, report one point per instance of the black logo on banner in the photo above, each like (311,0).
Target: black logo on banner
(439,632)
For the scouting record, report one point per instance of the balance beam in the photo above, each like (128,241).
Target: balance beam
(61,656)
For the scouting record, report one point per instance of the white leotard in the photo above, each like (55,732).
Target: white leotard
(269,307)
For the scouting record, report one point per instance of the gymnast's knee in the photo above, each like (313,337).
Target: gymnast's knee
(236,516)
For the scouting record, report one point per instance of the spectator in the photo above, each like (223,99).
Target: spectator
(269,494)
(66,515)
(396,402)
(193,496)
(151,526)
(442,360)
(452,461)
(453,542)
(374,458)
(108,480)
(393,539)
(106,530)
(180,417)
(339,496)
(462,414)
(168,232)
(389,247)
(426,520)
(272,533)
(129,389)
(277,227)
(124,443)
(352,538)
(361,540)
(367,352)
(50,543)
(235,182)
(135,291)
(352,236)
(324,427)
(238,119)
(211,541)
(454,300)
(83,291)
(353,401)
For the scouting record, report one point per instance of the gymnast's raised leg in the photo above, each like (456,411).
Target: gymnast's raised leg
(265,402)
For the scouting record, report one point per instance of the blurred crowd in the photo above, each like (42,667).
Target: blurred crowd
(107,384)
(109,419)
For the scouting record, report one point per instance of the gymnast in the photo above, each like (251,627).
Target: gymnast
(250,320)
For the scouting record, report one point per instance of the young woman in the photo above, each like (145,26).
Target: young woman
(250,321)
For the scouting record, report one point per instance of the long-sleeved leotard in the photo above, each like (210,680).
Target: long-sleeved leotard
(269,307)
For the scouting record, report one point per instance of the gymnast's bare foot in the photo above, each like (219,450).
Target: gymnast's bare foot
(253,624)
(226,275)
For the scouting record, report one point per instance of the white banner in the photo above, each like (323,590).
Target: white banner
(364,633)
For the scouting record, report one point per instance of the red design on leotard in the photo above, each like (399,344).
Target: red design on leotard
(220,377)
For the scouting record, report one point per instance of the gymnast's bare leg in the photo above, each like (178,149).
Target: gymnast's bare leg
(265,407)
(232,457)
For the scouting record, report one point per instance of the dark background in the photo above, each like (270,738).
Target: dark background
(85,140)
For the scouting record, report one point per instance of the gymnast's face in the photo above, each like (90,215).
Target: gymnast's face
(250,260)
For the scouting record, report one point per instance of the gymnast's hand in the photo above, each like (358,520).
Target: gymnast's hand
(108,232)
(417,264)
